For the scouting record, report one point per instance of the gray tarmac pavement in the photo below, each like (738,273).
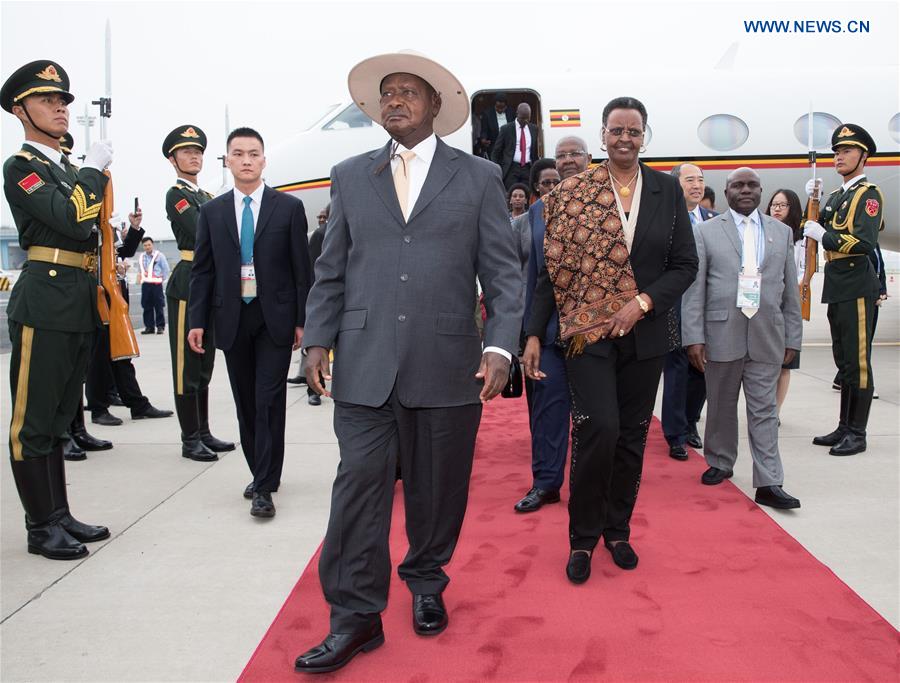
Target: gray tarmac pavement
(189,582)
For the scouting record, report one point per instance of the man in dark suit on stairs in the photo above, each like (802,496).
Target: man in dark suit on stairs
(517,148)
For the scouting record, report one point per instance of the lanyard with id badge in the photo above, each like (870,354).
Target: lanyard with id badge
(749,279)
(248,280)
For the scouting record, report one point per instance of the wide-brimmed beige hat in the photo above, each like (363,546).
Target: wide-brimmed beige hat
(365,80)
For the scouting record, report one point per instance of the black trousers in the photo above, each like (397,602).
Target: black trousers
(191,372)
(153,302)
(518,174)
(852,327)
(257,370)
(46,371)
(612,404)
(103,374)
(434,447)
(684,393)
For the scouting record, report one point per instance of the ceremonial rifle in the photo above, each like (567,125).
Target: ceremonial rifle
(122,340)
(812,214)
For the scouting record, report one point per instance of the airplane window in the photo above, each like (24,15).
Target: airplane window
(351,117)
(894,127)
(823,126)
(723,132)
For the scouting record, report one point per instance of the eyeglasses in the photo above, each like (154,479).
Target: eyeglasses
(632,132)
(548,182)
(562,156)
(778,205)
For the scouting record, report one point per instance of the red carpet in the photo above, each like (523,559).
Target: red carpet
(721,592)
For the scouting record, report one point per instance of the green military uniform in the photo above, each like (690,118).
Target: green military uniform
(852,218)
(191,372)
(52,315)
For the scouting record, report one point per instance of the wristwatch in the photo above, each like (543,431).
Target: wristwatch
(643,304)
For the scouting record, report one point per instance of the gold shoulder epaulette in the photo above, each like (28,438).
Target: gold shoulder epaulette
(835,191)
(28,156)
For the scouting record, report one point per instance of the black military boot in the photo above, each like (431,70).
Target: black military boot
(46,536)
(211,442)
(86,533)
(189,417)
(854,439)
(834,437)
(71,450)
(82,438)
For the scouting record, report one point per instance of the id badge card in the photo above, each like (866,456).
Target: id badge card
(248,280)
(748,291)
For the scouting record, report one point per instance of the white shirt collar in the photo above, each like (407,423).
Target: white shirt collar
(852,182)
(255,196)
(53,155)
(739,218)
(424,150)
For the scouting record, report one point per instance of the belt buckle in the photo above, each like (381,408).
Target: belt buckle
(89,262)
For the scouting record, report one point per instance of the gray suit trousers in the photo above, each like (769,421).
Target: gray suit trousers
(434,448)
(723,386)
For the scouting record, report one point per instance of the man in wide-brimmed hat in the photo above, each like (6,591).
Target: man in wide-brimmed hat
(412,225)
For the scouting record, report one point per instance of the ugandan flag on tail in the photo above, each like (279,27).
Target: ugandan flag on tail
(565,118)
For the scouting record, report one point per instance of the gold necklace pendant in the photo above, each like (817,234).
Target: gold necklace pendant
(624,191)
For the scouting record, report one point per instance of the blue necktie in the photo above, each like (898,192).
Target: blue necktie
(247,234)
(693,217)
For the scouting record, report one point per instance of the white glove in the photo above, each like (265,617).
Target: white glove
(813,230)
(99,156)
(811,185)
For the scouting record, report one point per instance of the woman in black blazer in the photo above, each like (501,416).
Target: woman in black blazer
(620,252)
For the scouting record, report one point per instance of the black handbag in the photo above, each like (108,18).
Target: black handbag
(513,387)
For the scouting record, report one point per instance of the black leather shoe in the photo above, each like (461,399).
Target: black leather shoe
(851,443)
(678,453)
(86,533)
(315,400)
(80,434)
(622,554)
(147,330)
(115,400)
(578,569)
(248,492)
(150,413)
(429,614)
(72,451)
(338,649)
(262,505)
(535,499)
(161,330)
(775,497)
(714,476)
(693,439)
(106,419)
(298,379)
(54,543)
(195,449)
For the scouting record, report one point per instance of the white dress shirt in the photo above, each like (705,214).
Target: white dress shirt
(417,171)
(517,156)
(196,188)
(698,217)
(53,155)
(255,201)
(760,234)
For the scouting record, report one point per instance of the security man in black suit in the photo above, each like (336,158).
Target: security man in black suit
(191,372)
(517,148)
(851,220)
(491,121)
(249,279)
(53,306)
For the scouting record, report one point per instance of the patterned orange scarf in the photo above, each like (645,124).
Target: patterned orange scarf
(587,256)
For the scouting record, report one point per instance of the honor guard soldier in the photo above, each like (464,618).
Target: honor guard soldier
(184,148)
(851,221)
(53,307)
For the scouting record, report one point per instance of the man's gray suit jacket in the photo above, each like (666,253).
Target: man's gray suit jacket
(709,312)
(394,298)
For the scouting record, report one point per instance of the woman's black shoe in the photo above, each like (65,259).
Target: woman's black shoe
(623,554)
(578,568)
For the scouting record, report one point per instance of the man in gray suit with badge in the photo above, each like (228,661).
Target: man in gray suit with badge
(411,227)
(740,321)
